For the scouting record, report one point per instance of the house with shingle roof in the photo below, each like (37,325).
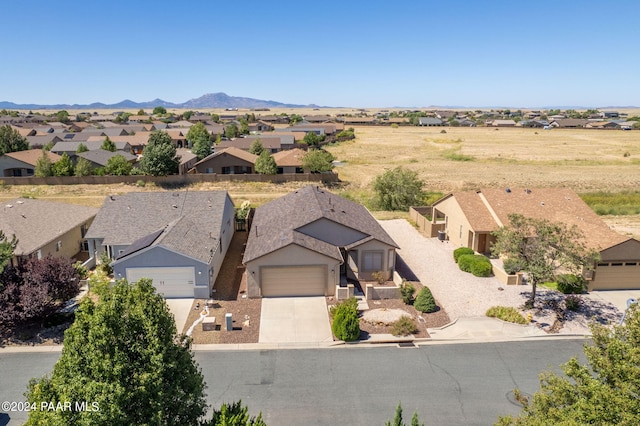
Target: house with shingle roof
(310,241)
(100,157)
(468,219)
(45,228)
(290,161)
(227,161)
(23,163)
(176,238)
(271,142)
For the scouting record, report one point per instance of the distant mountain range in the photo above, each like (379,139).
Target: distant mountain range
(209,100)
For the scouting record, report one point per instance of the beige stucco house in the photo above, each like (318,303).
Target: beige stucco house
(467,219)
(310,241)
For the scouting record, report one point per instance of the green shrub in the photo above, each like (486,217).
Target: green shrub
(407,290)
(379,276)
(571,284)
(573,302)
(513,266)
(505,313)
(404,326)
(424,301)
(140,183)
(477,264)
(461,251)
(346,325)
(82,271)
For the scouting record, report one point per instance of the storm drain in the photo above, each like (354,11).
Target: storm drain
(406,345)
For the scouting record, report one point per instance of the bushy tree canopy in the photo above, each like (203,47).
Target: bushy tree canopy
(63,167)
(82,168)
(108,145)
(44,166)
(398,189)
(159,110)
(543,248)
(231,131)
(11,141)
(200,140)
(318,160)
(123,354)
(265,164)
(159,156)
(256,147)
(118,166)
(603,392)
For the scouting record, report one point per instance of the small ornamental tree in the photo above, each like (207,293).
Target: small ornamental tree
(543,248)
(234,414)
(81,148)
(312,139)
(124,355)
(108,145)
(424,301)
(346,325)
(83,167)
(231,131)
(200,140)
(265,164)
(318,160)
(398,189)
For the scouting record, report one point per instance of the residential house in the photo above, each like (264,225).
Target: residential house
(187,160)
(44,228)
(43,140)
(309,241)
(468,218)
(569,123)
(352,121)
(23,163)
(274,119)
(272,142)
(70,148)
(445,115)
(260,126)
(603,125)
(178,239)
(290,161)
(100,157)
(227,161)
(502,123)
(430,121)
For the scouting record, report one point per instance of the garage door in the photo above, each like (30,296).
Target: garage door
(616,276)
(171,282)
(293,281)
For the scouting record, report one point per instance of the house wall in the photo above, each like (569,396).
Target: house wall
(457,226)
(332,232)
(220,161)
(388,259)
(628,250)
(158,256)
(8,163)
(70,243)
(225,234)
(289,256)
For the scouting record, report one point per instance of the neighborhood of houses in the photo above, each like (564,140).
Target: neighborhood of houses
(85,137)
(309,242)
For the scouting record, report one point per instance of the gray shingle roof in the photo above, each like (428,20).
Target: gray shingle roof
(276,224)
(191,220)
(101,156)
(38,222)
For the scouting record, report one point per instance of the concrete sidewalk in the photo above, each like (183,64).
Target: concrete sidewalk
(484,329)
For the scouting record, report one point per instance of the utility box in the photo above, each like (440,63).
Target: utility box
(228,321)
(209,324)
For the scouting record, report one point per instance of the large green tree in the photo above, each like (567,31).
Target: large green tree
(11,141)
(118,166)
(200,140)
(159,110)
(256,147)
(124,358)
(312,139)
(62,116)
(83,167)
(603,392)
(543,248)
(231,131)
(318,160)
(265,164)
(159,156)
(398,189)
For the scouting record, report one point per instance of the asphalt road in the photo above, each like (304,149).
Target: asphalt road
(453,384)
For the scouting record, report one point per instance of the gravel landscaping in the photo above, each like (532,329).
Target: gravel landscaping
(463,295)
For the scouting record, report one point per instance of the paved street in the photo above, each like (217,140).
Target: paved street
(453,384)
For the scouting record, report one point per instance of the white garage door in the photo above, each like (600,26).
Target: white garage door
(616,276)
(293,281)
(171,282)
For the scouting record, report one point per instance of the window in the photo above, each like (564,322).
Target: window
(391,259)
(209,170)
(58,245)
(372,261)
(460,231)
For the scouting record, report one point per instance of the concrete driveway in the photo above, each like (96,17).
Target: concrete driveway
(180,309)
(617,298)
(294,320)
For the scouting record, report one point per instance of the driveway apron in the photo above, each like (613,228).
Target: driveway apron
(294,320)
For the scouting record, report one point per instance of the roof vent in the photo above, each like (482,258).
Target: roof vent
(22,214)
(175,206)
(542,203)
(508,190)
(9,205)
(528,191)
(112,198)
(20,202)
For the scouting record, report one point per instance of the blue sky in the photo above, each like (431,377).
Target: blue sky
(334,53)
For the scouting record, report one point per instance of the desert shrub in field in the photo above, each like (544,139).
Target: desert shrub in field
(407,290)
(460,251)
(346,325)
(424,301)
(571,284)
(404,326)
(512,266)
(506,313)
(572,302)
